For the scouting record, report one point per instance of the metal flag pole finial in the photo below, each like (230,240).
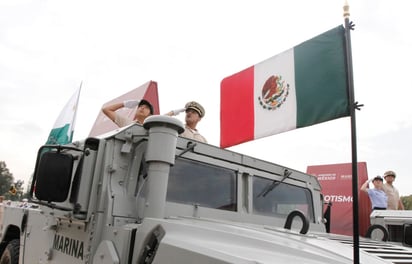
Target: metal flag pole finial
(346,13)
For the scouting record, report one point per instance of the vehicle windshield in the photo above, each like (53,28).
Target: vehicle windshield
(280,201)
(196,183)
(191,182)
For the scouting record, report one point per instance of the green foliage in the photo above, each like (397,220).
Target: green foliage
(6,178)
(8,188)
(407,202)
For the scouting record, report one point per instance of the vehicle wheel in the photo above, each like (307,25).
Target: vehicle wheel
(11,253)
(372,228)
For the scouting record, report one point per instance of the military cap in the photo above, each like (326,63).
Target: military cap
(389,173)
(197,107)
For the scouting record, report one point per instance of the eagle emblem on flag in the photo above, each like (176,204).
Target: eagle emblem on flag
(274,93)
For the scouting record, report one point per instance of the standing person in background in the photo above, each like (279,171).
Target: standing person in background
(377,196)
(194,113)
(394,200)
(144,109)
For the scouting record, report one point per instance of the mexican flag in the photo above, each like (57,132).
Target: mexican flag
(300,87)
(62,132)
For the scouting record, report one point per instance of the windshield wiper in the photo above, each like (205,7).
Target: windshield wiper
(274,183)
(190,146)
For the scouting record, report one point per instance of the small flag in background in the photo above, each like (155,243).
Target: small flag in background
(62,132)
(300,87)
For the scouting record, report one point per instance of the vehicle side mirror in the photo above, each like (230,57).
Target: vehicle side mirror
(53,176)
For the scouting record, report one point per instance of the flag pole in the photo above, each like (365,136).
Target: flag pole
(353,106)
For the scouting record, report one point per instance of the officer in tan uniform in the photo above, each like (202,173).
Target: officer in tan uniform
(394,200)
(144,109)
(194,113)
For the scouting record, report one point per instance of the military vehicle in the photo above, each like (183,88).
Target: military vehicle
(142,194)
(391,225)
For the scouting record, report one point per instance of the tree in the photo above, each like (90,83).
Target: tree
(8,188)
(6,179)
(18,185)
(407,202)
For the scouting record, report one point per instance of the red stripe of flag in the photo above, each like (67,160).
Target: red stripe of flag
(237,108)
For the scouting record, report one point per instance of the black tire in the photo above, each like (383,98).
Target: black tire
(370,230)
(11,253)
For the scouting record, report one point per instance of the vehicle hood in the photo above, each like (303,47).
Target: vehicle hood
(201,240)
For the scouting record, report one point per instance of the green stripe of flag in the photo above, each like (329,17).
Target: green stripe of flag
(320,78)
(60,135)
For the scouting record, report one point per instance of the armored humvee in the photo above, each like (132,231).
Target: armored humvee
(142,194)
(391,225)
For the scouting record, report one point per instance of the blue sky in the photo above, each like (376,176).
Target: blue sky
(48,47)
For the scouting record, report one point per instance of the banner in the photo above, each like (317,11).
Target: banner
(336,182)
